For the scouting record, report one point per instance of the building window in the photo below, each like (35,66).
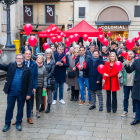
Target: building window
(137,11)
(50,13)
(81,12)
(28,13)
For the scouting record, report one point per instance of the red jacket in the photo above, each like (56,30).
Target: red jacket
(113,74)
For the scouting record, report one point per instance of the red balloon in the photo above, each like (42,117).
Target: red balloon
(85,37)
(130,43)
(136,57)
(109,33)
(100,29)
(101,69)
(137,38)
(45,46)
(124,53)
(139,33)
(76,37)
(32,41)
(71,38)
(0,51)
(54,29)
(105,42)
(67,42)
(101,38)
(28,29)
(118,65)
(89,39)
(119,38)
(62,34)
(59,38)
(53,39)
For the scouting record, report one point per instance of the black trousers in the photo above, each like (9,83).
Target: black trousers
(74,93)
(32,102)
(114,101)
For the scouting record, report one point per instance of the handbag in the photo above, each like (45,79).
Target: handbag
(71,74)
(51,83)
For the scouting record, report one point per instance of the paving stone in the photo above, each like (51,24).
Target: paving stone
(51,131)
(94,129)
(68,127)
(62,137)
(89,138)
(82,133)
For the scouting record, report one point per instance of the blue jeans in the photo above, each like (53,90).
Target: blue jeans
(137,105)
(127,90)
(81,81)
(11,99)
(61,87)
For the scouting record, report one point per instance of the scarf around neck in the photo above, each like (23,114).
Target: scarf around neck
(60,56)
(94,60)
(39,65)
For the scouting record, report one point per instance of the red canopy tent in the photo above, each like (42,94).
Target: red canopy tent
(45,34)
(83,28)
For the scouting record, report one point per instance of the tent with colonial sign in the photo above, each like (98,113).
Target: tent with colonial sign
(83,28)
(46,34)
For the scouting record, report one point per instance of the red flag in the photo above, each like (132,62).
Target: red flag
(84,64)
(64,59)
(127,57)
(78,65)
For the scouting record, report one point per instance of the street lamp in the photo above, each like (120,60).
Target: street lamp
(8,3)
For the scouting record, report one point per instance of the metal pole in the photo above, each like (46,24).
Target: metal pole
(8,43)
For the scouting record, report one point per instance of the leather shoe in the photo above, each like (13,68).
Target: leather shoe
(108,111)
(114,111)
(29,120)
(92,107)
(101,108)
(14,123)
(19,128)
(135,122)
(6,128)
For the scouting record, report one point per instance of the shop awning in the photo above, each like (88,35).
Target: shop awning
(44,33)
(83,28)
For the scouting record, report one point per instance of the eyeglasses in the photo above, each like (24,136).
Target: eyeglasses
(48,53)
(19,58)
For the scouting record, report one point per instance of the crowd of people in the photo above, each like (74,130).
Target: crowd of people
(31,76)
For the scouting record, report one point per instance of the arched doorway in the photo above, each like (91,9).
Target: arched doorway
(116,20)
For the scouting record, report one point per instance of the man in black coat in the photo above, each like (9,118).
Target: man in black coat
(18,86)
(83,75)
(136,90)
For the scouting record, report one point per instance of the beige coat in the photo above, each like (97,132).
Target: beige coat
(72,81)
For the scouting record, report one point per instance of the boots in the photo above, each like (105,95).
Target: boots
(41,108)
(72,93)
(48,108)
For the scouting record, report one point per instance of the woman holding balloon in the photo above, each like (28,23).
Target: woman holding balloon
(111,82)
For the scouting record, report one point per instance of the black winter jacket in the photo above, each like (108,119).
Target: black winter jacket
(26,86)
(87,57)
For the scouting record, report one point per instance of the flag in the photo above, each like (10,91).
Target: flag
(127,57)
(78,65)
(84,64)
(64,59)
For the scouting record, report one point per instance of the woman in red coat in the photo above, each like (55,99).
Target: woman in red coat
(111,82)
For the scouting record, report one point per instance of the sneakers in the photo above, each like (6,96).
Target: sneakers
(54,102)
(124,114)
(62,101)
(134,115)
(37,114)
(90,103)
(82,103)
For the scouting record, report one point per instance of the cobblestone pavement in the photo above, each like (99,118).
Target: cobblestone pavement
(72,122)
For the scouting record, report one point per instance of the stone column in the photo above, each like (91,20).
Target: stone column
(8,55)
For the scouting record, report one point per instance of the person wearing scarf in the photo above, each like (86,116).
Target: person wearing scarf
(95,79)
(42,83)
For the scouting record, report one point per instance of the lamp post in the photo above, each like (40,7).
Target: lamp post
(8,3)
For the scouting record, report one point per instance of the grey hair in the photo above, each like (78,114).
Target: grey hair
(51,54)
(60,47)
(77,46)
(131,51)
(40,55)
(104,47)
(20,54)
